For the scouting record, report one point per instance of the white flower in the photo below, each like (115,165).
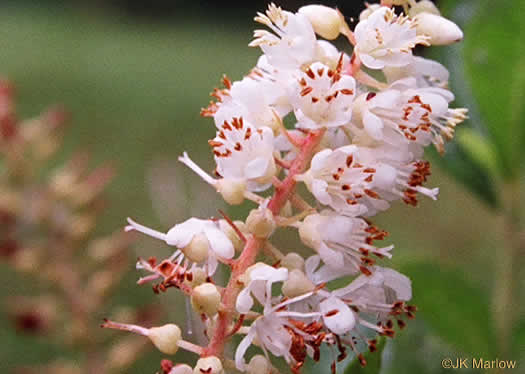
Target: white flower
(382,294)
(339,179)
(293,43)
(322,97)
(385,39)
(339,182)
(261,278)
(274,331)
(420,115)
(244,152)
(255,98)
(342,241)
(428,73)
(244,157)
(201,241)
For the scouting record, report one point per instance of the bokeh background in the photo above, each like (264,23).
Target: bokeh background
(134,75)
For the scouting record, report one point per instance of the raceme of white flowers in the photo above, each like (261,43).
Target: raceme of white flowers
(351,126)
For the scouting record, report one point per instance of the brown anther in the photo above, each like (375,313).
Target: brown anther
(331,313)
(361,359)
(370,96)
(372,194)
(310,73)
(305,91)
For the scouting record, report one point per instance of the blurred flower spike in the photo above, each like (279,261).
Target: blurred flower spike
(311,114)
(48,216)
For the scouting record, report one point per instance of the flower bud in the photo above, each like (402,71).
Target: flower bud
(226,228)
(371,8)
(293,261)
(197,250)
(259,365)
(327,22)
(309,234)
(297,284)
(206,299)
(232,190)
(198,277)
(426,6)
(166,338)
(181,369)
(208,365)
(260,222)
(440,30)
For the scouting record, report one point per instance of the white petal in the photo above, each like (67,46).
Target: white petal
(269,273)
(398,282)
(337,316)
(330,257)
(182,234)
(319,190)
(373,125)
(243,346)
(244,302)
(256,168)
(219,242)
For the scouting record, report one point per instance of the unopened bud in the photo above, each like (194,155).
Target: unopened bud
(260,222)
(206,299)
(293,261)
(226,228)
(232,190)
(197,250)
(208,365)
(259,365)
(198,277)
(297,284)
(308,232)
(371,8)
(181,369)
(440,30)
(327,22)
(426,6)
(166,338)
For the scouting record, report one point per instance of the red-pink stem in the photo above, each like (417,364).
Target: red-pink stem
(253,246)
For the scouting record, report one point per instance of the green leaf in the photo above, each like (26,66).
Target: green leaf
(495,65)
(480,150)
(454,308)
(373,361)
(459,161)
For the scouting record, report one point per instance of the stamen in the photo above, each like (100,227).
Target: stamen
(186,160)
(134,226)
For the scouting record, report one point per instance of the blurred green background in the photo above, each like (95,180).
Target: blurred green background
(134,77)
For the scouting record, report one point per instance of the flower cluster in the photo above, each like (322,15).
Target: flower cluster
(357,123)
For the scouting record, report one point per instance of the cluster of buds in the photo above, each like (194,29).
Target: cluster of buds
(48,215)
(356,127)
